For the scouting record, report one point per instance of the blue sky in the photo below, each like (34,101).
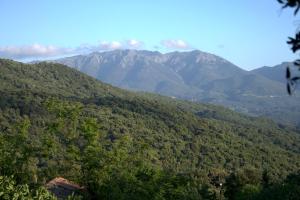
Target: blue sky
(249,33)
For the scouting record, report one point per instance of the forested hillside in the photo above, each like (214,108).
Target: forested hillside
(56,121)
(196,76)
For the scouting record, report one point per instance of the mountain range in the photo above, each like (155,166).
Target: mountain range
(195,76)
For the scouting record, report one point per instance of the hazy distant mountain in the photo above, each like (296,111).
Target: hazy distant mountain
(194,75)
(276,73)
(179,74)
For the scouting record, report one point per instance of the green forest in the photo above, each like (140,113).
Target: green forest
(56,121)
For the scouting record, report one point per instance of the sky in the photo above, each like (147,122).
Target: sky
(248,33)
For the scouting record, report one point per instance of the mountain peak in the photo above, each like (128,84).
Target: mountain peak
(194,75)
(148,70)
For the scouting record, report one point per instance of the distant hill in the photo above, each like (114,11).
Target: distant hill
(196,76)
(276,73)
(173,73)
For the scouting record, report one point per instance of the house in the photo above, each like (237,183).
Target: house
(62,188)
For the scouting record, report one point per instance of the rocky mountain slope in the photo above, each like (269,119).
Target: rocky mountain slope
(196,76)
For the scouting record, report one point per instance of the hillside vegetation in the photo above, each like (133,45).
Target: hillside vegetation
(196,76)
(56,121)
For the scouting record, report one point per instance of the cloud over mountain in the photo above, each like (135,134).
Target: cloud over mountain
(135,44)
(175,44)
(34,50)
(40,51)
(110,45)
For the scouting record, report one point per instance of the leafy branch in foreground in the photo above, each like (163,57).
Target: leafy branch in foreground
(291,3)
(295,46)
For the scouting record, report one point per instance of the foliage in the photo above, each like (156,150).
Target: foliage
(291,3)
(122,145)
(295,45)
(188,75)
(10,190)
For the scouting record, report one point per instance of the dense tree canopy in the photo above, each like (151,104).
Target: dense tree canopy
(122,145)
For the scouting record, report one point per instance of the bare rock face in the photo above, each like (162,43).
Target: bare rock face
(62,188)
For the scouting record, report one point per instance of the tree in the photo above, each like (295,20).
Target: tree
(295,45)
(9,189)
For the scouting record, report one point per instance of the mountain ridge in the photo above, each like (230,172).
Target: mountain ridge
(195,76)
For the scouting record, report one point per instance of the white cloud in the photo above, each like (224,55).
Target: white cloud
(38,51)
(109,45)
(175,44)
(134,44)
(32,51)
